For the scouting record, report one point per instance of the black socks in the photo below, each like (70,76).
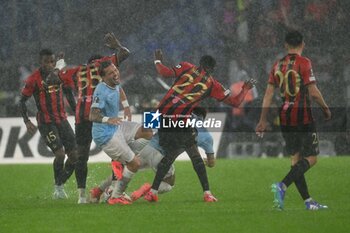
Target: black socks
(296,172)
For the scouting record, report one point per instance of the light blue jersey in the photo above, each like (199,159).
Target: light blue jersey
(107,99)
(204,140)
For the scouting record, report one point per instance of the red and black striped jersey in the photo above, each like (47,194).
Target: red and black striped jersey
(192,85)
(85,79)
(48,95)
(291,75)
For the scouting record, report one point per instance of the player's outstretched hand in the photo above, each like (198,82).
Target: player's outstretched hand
(158,55)
(114,121)
(111,41)
(60,63)
(249,84)
(210,160)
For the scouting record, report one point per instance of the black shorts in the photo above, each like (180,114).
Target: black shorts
(58,135)
(177,138)
(302,139)
(83,133)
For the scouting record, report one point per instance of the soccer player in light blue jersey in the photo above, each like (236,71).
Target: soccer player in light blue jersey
(111,133)
(150,157)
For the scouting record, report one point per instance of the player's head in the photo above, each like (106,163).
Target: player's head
(200,112)
(47,60)
(208,63)
(294,39)
(109,73)
(94,57)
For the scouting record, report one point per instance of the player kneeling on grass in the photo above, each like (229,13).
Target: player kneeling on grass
(111,133)
(150,157)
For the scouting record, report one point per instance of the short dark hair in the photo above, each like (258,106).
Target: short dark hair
(294,38)
(94,57)
(103,66)
(45,52)
(208,63)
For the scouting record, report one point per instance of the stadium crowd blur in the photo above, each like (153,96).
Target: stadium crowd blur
(245,36)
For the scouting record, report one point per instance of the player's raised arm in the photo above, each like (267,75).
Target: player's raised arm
(162,69)
(235,101)
(112,42)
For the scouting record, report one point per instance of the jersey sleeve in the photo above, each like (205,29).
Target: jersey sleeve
(67,76)
(165,71)
(29,86)
(307,73)
(205,141)
(99,99)
(181,68)
(219,92)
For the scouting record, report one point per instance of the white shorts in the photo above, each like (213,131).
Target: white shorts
(117,148)
(151,157)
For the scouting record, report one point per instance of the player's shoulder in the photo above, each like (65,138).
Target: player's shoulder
(276,63)
(71,69)
(100,88)
(184,65)
(304,60)
(33,76)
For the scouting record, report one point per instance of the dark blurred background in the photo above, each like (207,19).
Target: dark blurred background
(245,36)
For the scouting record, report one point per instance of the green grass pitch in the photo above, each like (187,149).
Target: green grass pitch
(242,187)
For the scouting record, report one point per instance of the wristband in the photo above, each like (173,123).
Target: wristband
(125,103)
(157,62)
(105,119)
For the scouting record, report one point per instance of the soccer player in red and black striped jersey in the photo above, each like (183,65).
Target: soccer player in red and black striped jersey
(192,85)
(48,87)
(86,78)
(297,85)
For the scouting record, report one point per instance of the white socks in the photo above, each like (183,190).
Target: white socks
(106,183)
(207,192)
(164,187)
(81,192)
(122,184)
